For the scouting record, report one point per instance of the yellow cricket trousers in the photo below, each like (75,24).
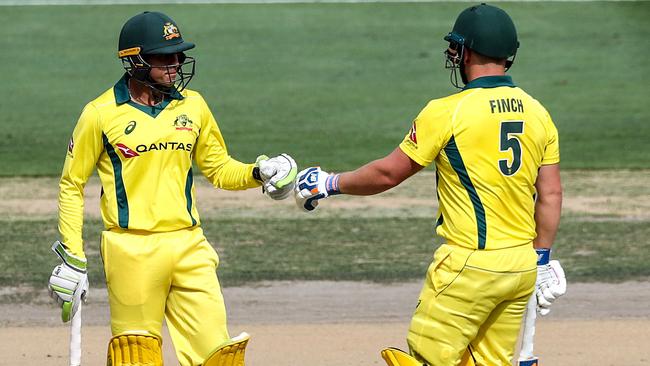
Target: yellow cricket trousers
(173,275)
(471,305)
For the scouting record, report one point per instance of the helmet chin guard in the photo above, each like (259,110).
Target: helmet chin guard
(454,62)
(140,70)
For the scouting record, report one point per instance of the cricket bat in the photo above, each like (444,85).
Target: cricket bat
(75,338)
(526,356)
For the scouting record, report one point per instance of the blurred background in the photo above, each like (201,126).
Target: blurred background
(335,84)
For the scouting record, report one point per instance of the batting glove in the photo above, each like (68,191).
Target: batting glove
(278,175)
(551,281)
(68,284)
(314,184)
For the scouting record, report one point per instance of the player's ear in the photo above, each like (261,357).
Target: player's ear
(467,56)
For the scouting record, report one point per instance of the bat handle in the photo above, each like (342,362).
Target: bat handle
(526,356)
(75,338)
(533,362)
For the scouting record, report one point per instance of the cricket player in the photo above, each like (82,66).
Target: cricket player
(496,154)
(142,135)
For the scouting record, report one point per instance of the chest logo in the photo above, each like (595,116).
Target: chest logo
(126,151)
(183,123)
(130,127)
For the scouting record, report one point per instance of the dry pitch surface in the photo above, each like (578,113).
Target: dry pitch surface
(346,323)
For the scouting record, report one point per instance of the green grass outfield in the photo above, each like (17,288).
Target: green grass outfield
(373,249)
(335,84)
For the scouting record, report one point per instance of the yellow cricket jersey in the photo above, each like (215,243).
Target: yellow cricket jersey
(144,159)
(487,142)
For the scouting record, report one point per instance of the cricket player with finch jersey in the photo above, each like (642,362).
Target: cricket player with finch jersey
(496,153)
(142,136)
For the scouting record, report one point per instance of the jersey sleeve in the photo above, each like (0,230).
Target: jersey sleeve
(429,133)
(212,157)
(552,148)
(83,152)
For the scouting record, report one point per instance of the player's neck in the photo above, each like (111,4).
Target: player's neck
(144,95)
(479,71)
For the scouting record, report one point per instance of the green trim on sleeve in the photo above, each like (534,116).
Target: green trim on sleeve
(441,219)
(459,167)
(120,190)
(189,182)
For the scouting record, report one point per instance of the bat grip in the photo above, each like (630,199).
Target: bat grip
(75,338)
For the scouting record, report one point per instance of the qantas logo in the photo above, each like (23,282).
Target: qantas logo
(413,134)
(126,151)
(164,146)
(70,146)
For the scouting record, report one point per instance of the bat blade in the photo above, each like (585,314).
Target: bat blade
(75,339)
(526,355)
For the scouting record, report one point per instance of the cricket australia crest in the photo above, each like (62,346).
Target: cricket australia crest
(170,31)
(183,122)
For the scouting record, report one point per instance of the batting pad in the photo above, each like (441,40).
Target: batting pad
(397,357)
(131,349)
(230,353)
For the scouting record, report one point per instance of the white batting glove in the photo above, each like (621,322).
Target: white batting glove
(278,175)
(312,185)
(551,281)
(68,284)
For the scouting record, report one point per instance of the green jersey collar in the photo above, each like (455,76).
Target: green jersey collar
(121,91)
(490,82)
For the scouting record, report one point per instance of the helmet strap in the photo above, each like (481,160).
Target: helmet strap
(511,61)
(462,72)
(137,68)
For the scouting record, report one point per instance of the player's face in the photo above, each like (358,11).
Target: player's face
(164,68)
(452,55)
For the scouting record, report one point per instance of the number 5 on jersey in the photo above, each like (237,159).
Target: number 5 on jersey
(509,140)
